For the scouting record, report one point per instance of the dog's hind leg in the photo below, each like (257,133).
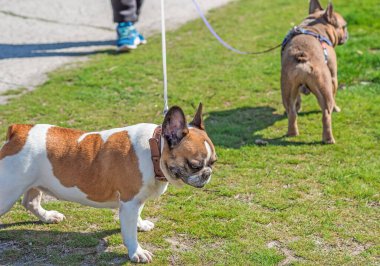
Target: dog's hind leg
(334,79)
(290,98)
(335,89)
(8,198)
(298,103)
(324,92)
(327,104)
(10,190)
(32,202)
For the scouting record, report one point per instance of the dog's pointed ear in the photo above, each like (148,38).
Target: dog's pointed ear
(329,14)
(174,127)
(198,118)
(314,6)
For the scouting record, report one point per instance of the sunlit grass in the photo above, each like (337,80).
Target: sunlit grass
(293,199)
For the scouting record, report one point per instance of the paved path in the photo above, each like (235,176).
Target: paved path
(37,36)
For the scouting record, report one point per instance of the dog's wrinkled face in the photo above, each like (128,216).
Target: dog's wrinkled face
(341,29)
(331,18)
(188,153)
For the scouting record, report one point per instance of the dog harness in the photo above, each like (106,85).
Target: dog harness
(298,30)
(155,150)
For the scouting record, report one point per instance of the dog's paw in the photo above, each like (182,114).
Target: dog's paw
(329,141)
(141,255)
(53,217)
(144,225)
(337,109)
(292,133)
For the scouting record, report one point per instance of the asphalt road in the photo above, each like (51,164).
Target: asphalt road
(38,36)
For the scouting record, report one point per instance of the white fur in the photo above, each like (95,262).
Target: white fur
(209,152)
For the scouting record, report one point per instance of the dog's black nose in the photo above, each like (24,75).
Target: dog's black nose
(206,174)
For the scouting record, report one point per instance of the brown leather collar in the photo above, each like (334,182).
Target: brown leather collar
(155,149)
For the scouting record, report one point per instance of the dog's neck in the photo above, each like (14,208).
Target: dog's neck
(320,27)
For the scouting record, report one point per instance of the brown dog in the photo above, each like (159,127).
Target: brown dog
(309,64)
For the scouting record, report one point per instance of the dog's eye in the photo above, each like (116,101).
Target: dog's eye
(195,165)
(211,162)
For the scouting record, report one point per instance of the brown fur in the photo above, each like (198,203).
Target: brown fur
(184,154)
(303,66)
(104,171)
(191,148)
(16,139)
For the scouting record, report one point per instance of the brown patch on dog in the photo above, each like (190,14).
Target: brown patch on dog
(16,137)
(104,171)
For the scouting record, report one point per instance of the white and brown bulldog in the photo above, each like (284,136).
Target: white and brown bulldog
(107,169)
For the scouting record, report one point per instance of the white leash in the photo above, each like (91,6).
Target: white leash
(165,74)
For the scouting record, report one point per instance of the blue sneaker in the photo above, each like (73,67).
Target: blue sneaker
(142,39)
(127,37)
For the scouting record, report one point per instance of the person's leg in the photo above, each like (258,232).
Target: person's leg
(126,13)
(125,10)
(139,4)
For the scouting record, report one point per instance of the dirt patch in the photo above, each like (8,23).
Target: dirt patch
(183,243)
(351,246)
(245,198)
(373,204)
(180,243)
(102,246)
(290,257)
(11,253)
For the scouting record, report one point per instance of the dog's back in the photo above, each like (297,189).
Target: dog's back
(301,57)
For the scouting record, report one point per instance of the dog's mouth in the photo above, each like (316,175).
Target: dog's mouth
(344,39)
(196,181)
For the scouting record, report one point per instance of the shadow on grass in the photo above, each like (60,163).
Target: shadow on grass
(239,127)
(8,51)
(26,246)
(4,226)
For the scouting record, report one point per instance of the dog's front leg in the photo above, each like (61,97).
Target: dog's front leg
(144,225)
(129,214)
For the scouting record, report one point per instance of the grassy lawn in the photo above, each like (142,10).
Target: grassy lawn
(293,201)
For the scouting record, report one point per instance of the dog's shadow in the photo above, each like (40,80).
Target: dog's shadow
(23,246)
(239,127)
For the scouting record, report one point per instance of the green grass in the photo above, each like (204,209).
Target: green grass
(293,199)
